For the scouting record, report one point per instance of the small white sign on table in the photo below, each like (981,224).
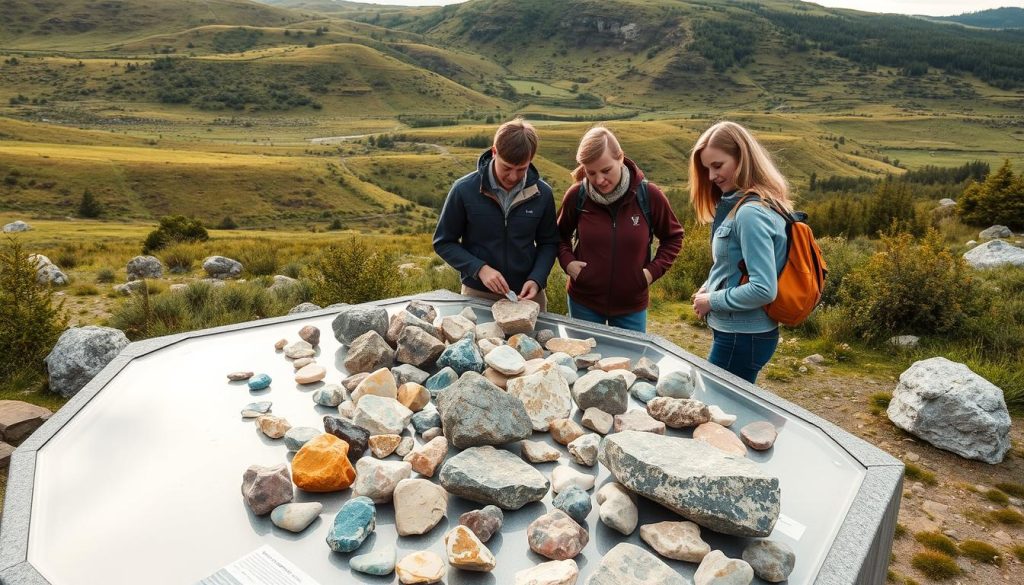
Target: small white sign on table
(263,566)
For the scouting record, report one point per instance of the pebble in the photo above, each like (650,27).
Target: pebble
(273,426)
(383,445)
(405,446)
(538,451)
(413,396)
(586,360)
(368,352)
(310,374)
(719,437)
(759,435)
(322,465)
(377,479)
(617,508)
(432,433)
(604,390)
(643,391)
(418,348)
(355,521)
(352,382)
(771,560)
(406,373)
(426,419)
(565,430)
(563,477)
(266,487)
(259,382)
(718,569)
(296,517)
(557,536)
(679,413)
(638,420)
(462,356)
(296,437)
(356,437)
(614,363)
(310,335)
(330,395)
(550,573)
(299,349)
(280,343)
(302,362)
(574,502)
(379,383)
(444,378)
(676,540)
(497,378)
(677,384)
(484,522)
(239,376)
(420,567)
(427,457)
(719,416)
(255,409)
(584,449)
(380,561)
(598,420)
(573,347)
(347,409)
(646,369)
(419,506)
(466,552)
(506,360)
(544,335)
(527,346)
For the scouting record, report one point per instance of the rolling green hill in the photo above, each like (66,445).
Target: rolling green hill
(1006,17)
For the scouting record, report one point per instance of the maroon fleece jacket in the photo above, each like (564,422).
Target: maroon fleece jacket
(613,242)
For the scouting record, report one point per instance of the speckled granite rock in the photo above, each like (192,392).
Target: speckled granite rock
(628,564)
(493,476)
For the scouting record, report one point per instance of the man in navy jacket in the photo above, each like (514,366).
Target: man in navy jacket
(497,226)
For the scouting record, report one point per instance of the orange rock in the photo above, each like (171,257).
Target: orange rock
(497,378)
(413,396)
(466,552)
(322,465)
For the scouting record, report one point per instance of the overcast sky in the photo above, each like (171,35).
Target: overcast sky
(929,7)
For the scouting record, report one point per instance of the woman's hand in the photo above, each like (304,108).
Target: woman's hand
(574,268)
(530,290)
(647,275)
(702,304)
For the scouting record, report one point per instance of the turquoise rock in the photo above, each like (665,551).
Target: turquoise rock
(354,522)
(329,395)
(441,380)
(527,346)
(574,502)
(462,356)
(259,382)
(296,437)
(254,409)
(379,562)
(643,391)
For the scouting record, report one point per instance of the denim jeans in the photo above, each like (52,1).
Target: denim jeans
(743,354)
(633,321)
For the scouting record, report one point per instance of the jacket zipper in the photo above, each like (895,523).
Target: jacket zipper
(611,281)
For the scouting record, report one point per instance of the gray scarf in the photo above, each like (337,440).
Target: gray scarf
(616,193)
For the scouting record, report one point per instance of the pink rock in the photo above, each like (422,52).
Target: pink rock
(265,488)
(426,458)
(678,412)
(556,536)
(759,435)
(719,437)
(638,420)
(565,430)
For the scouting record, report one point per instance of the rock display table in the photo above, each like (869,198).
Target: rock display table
(137,478)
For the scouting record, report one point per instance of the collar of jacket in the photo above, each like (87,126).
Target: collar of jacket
(530,189)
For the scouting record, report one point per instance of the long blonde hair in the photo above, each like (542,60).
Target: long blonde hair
(594,144)
(755,171)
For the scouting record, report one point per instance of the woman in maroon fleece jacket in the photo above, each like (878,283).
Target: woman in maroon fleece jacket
(609,265)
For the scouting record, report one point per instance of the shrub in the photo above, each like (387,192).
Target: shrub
(937,541)
(997,497)
(259,258)
(981,552)
(918,474)
(353,273)
(66,257)
(1007,516)
(1018,551)
(227,223)
(174,228)
(105,276)
(879,401)
(30,322)
(910,287)
(83,290)
(998,200)
(179,258)
(935,565)
(292,269)
(1014,489)
(89,207)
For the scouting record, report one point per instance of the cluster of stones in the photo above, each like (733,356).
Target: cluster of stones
(484,389)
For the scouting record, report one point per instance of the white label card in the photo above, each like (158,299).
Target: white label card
(263,566)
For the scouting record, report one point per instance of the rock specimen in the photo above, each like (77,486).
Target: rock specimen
(426,419)
(413,396)
(310,374)
(259,382)
(310,334)
(585,361)
(475,412)
(256,409)
(550,573)
(565,431)
(350,383)
(381,416)
(379,383)
(355,521)
(646,369)
(617,508)
(718,569)
(614,363)
(676,540)
(144,267)
(643,391)
(492,476)
(302,362)
(538,452)
(423,310)
(356,437)
(462,356)
(729,494)
(418,347)
(79,354)
(573,347)
(273,426)
(296,437)
(600,389)
(563,477)
(505,360)
(484,522)
(432,433)
(679,413)
(383,445)
(518,317)
(597,420)
(771,560)
(628,564)
(951,407)
(491,331)
(584,449)
(721,417)
(405,373)
(419,506)
(638,420)
(406,445)
(556,536)
(466,552)
(265,488)
(574,502)
(381,561)
(425,458)
(420,567)
(527,346)
(677,384)
(322,465)
(759,435)
(240,376)
(720,438)
(367,353)
(455,327)
(545,395)
(299,349)
(330,395)
(440,381)
(404,319)
(377,479)
(353,322)
(296,517)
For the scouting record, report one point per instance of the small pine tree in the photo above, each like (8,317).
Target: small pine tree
(227,223)
(999,200)
(89,207)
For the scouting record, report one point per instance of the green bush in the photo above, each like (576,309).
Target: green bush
(174,228)
(937,541)
(998,200)
(227,223)
(105,276)
(30,321)
(981,552)
(181,257)
(353,273)
(259,258)
(89,207)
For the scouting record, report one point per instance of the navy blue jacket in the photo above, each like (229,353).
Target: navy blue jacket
(473,230)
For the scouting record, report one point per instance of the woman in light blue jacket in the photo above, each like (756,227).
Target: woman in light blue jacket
(734,186)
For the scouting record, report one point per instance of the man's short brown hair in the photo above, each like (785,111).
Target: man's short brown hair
(516,141)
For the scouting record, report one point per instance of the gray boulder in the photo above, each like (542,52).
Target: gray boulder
(220,267)
(996,231)
(946,202)
(475,412)
(16,226)
(80,354)
(353,322)
(603,390)
(282,283)
(994,254)
(144,267)
(951,407)
(726,493)
(628,564)
(129,287)
(47,272)
(493,476)
(304,308)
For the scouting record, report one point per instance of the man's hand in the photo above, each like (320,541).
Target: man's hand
(530,290)
(574,268)
(493,280)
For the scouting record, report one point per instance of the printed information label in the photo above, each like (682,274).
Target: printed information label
(263,566)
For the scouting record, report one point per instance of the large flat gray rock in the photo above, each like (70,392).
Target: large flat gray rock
(475,412)
(726,493)
(628,564)
(80,354)
(493,476)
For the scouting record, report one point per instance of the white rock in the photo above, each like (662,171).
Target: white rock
(617,508)
(720,416)
(598,420)
(584,449)
(994,254)
(718,569)
(381,415)
(538,452)
(419,506)
(506,360)
(564,476)
(550,573)
(544,394)
(676,540)
(377,479)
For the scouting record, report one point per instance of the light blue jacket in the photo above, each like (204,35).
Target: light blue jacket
(756,235)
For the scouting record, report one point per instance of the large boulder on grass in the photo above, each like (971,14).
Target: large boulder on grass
(47,272)
(994,254)
(80,354)
(996,231)
(16,226)
(144,267)
(951,407)
(220,267)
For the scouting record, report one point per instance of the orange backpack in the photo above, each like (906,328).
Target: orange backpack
(802,278)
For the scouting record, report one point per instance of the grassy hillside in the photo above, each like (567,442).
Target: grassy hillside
(1006,17)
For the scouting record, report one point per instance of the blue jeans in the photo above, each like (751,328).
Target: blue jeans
(743,354)
(632,321)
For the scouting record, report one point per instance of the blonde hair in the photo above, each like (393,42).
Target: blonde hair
(593,145)
(516,141)
(755,171)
